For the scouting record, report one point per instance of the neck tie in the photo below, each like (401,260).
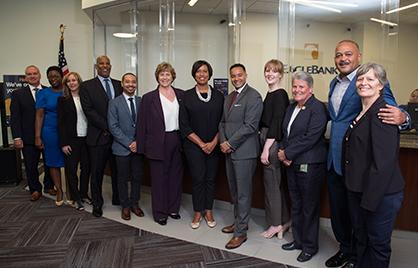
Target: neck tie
(108,90)
(233,98)
(132,106)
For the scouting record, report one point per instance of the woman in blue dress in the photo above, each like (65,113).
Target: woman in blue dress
(46,127)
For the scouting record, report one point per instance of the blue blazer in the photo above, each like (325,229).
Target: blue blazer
(305,144)
(151,127)
(350,107)
(121,125)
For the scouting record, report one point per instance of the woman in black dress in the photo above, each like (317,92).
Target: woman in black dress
(200,113)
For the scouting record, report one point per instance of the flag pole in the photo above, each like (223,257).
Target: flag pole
(62,62)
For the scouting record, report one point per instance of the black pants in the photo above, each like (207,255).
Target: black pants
(31,156)
(79,155)
(129,167)
(99,155)
(340,222)
(203,169)
(373,229)
(305,191)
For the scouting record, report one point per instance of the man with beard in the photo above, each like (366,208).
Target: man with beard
(344,105)
(94,96)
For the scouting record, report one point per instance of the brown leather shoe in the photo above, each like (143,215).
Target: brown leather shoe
(35,196)
(51,191)
(228,229)
(236,241)
(126,214)
(137,211)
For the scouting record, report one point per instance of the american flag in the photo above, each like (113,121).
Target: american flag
(62,62)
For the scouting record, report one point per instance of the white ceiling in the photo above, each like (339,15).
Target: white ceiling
(365,10)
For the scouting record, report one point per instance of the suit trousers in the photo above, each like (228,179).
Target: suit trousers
(99,156)
(305,191)
(373,229)
(276,199)
(31,156)
(240,180)
(166,178)
(340,223)
(79,155)
(203,169)
(129,167)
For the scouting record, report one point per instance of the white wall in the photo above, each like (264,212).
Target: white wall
(30,35)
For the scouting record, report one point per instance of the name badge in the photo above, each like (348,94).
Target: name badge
(303,168)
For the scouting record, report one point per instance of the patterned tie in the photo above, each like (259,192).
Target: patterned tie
(108,90)
(233,98)
(132,106)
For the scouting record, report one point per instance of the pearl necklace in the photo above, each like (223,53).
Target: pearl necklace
(207,99)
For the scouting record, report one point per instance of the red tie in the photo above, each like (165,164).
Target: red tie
(233,98)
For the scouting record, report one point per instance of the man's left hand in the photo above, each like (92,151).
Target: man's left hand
(392,115)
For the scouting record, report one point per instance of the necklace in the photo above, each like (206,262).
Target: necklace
(207,99)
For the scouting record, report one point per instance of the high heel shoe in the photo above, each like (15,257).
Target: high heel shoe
(59,202)
(211,224)
(196,225)
(273,231)
(285,228)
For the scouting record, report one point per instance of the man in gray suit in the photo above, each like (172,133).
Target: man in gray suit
(238,133)
(122,118)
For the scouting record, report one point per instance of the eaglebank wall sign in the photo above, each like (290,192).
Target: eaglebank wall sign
(311,69)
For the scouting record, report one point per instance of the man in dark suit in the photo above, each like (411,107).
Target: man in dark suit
(94,96)
(344,105)
(238,135)
(122,118)
(22,110)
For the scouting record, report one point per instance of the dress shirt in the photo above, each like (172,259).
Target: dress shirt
(33,90)
(104,85)
(292,118)
(126,96)
(81,118)
(171,113)
(239,90)
(340,89)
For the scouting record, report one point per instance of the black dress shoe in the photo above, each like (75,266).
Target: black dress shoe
(175,216)
(97,212)
(290,246)
(337,260)
(304,256)
(161,221)
(350,264)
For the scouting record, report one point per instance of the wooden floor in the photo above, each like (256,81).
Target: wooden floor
(39,234)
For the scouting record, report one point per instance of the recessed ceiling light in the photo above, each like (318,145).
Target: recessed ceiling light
(125,35)
(401,8)
(192,2)
(384,22)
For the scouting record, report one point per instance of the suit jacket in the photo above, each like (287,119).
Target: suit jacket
(22,120)
(121,125)
(67,120)
(349,108)
(95,104)
(305,144)
(150,131)
(239,124)
(371,151)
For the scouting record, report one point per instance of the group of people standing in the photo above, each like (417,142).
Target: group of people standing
(103,119)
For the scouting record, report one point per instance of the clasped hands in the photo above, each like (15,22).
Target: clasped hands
(282,157)
(208,147)
(225,147)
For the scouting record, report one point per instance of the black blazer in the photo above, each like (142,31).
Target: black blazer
(22,119)
(305,143)
(67,120)
(95,103)
(370,158)
(150,131)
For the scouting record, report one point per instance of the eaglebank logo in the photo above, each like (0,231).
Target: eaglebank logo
(311,69)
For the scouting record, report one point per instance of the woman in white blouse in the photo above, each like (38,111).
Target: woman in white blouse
(72,127)
(158,137)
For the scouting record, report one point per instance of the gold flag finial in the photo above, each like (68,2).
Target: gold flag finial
(62,28)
